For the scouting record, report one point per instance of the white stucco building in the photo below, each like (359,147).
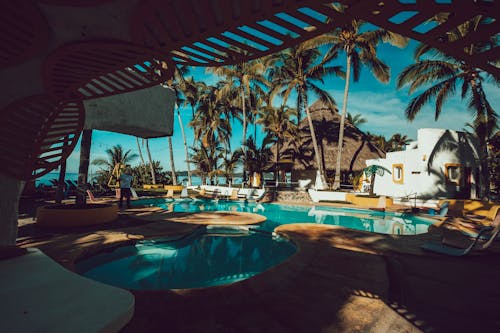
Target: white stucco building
(440,164)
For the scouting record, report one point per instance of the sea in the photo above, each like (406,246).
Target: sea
(46,179)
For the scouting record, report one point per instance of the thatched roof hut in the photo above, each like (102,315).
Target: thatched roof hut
(356,148)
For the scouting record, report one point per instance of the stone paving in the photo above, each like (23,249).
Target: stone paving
(340,280)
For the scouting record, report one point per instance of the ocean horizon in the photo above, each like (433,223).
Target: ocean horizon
(73,176)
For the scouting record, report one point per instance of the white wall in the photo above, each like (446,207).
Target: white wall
(424,165)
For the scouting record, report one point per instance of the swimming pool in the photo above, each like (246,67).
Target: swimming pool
(209,257)
(277,214)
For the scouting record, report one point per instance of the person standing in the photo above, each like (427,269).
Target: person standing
(125,180)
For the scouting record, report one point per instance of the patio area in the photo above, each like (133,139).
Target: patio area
(340,280)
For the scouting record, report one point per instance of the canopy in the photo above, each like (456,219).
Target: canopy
(146,113)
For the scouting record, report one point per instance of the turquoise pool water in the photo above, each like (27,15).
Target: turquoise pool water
(210,257)
(277,214)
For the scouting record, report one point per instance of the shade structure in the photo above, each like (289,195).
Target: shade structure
(146,113)
(77,50)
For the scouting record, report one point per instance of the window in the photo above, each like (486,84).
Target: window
(397,173)
(452,172)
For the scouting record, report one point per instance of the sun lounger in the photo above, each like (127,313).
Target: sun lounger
(90,196)
(304,183)
(492,232)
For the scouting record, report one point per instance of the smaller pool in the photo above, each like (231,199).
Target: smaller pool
(213,256)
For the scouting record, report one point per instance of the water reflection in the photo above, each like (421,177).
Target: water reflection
(277,214)
(199,261)
(381,222)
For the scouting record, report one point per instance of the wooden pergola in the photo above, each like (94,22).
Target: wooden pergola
(58,53)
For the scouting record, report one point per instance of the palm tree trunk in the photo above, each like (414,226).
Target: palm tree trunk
(192,118)
(244,128)
(315,144)
(83,170)
(60,183)
(336,182)
(172,165)
(151,168)
(143,164)
(185,147)
(276,171)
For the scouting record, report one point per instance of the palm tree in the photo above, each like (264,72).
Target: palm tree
(441,74)
(207,161)
(181,86)
(229,164)
(242,77)
(360,49)
(115,155)
(257,159)
(279,126)
(211,122)
(398,141)
(299,69)
(356,120)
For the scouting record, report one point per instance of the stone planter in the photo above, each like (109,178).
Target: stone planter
(69,216)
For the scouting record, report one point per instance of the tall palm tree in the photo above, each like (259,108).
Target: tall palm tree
(360,48)
(441,74)
(211,122)
(180,86)
(299,69)
(242,77)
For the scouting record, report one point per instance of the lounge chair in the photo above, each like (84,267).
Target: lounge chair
(304,183)
(91,197)
(234,194)
(493,230)
(442,211)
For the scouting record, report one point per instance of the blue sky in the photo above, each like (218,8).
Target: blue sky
(380,104)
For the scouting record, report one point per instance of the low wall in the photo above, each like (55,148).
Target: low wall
(365,201)
(152,186)
(175,188)
(300,196)
(458,207)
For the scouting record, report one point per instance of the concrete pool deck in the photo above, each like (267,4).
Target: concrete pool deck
(340,280)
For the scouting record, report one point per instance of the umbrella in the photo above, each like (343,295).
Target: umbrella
(371,171)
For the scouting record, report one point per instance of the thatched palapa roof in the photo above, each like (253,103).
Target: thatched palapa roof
(356,149)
